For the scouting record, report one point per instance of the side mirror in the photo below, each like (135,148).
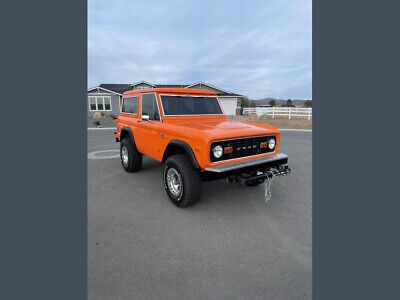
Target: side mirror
(145,118)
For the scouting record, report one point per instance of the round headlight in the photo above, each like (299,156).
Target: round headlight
(217,151)
(271,144)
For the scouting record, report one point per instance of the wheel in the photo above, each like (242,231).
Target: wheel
(255,182)
(131,159)
(182,181)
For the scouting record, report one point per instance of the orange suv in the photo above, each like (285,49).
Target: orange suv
(187,131)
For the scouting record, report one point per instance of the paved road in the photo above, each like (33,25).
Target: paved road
(230,245)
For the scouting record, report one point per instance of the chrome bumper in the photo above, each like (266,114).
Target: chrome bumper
(248,163)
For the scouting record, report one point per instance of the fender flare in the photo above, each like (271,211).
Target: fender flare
(183,145)
(129,132)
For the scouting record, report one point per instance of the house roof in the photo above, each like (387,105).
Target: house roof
(177,90)
(118,88)
(142,82)
(171,85)
(122,88)
(206,84)
(224,94)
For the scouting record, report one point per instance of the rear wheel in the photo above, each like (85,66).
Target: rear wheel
(131,159)
(182,181)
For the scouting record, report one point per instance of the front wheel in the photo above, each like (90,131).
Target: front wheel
(182,181)
(131,159)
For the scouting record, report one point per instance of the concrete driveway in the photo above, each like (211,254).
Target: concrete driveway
(230,245)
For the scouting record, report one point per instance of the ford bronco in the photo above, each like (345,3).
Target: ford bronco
(187,131)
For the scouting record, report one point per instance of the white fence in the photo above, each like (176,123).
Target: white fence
(279,111)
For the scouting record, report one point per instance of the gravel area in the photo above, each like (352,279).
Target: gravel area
(105,121)
(281,122)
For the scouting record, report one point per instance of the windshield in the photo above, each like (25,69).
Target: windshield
(190,105)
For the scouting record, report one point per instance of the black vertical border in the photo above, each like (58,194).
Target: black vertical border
(355,150)
(43,149)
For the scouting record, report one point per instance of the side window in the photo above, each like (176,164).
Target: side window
(149,106)
(130,105)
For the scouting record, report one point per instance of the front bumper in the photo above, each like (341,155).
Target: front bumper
(250,166)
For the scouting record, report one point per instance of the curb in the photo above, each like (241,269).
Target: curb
(105,128)
(301,130)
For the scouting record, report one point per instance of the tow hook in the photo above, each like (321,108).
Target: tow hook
(282,170)
(267,176)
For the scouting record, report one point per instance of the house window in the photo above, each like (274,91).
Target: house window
(92,103)
(107,103)
(100,103)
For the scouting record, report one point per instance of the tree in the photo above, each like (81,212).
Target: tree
(308,103)
(289,103)
(244,102)
(272,102)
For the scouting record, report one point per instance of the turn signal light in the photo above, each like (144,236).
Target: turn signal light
(228,150)
(263,145)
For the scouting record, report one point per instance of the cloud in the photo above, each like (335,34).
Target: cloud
(256,48)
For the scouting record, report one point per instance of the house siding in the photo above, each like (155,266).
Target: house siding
(204,87)
(115,103)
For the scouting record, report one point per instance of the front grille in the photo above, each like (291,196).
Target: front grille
(242,147)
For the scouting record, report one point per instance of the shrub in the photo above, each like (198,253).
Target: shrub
(308,103)
(97,115)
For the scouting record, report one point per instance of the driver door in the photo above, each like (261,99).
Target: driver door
(147,134)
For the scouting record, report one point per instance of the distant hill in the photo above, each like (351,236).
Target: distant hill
(279,102)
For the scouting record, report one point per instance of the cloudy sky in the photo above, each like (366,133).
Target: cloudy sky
(255,48)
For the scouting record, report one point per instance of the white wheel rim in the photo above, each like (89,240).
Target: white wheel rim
(174,182)
(124,156)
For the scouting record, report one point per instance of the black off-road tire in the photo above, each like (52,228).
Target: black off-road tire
(190,178)
(135,157)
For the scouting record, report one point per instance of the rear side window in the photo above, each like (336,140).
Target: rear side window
(149,106)
(130,105)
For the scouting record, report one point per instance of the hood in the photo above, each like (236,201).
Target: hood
(230,129)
